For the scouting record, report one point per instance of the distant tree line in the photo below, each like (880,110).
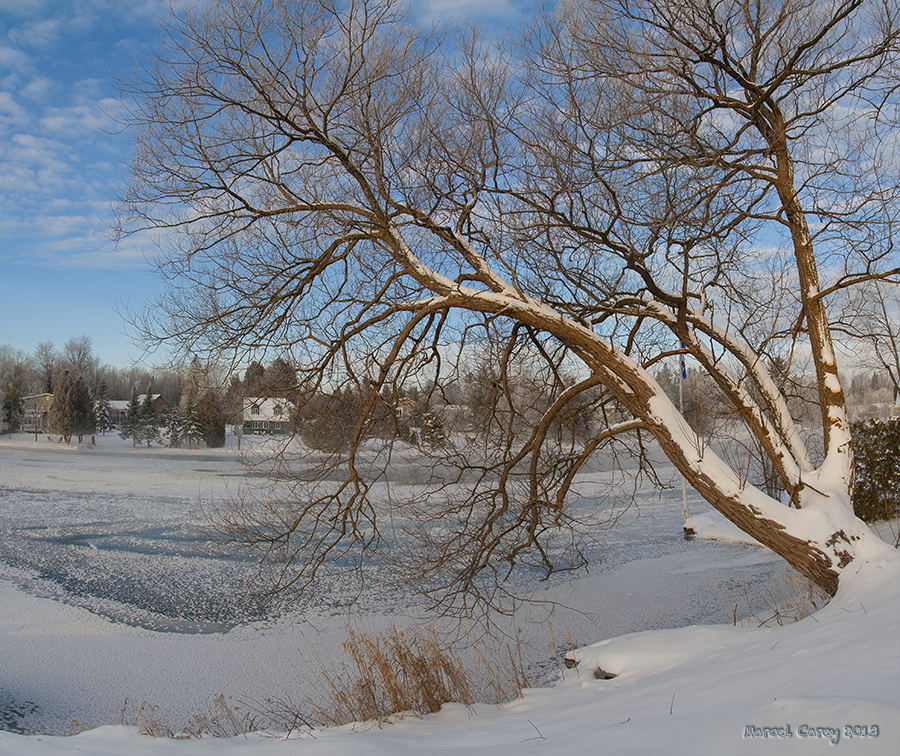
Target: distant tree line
(176,405)
(191,405)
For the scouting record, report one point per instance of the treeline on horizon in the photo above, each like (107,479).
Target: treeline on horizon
(23,375)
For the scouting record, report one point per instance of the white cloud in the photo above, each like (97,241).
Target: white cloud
(90,89)
(14,59)
(39,88)
(12,114)
(16,180)
(75,120)
(442,10)
(28,149)
(79,242)
(38,35)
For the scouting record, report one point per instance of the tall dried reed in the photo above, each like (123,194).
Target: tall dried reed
(412,671)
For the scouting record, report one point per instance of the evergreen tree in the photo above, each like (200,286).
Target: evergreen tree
(130,427)
(175,428)
(255,380)
(59,421)
(80,409)
(148,422)
(191,426)
(211,419)
(433,432)
(12,407)
(281,379)
(101,409)
(877,494)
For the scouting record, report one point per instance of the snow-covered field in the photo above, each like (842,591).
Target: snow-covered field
(109,598)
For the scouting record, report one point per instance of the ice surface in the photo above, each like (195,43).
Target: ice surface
(107,594)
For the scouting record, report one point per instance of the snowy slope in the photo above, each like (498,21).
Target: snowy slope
(692,690)
(689,690)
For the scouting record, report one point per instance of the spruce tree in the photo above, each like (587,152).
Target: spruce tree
(101,410)
(80,409)
(59,420)
(148,423)
(130,426)
(191,425)
(211,419)
(12,398)
(281,378)
(175,428)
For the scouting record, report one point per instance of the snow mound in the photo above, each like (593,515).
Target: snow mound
(716,527)
(826,684)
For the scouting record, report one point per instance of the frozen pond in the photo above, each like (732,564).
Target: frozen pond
(111,537)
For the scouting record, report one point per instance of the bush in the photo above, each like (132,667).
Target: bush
(783,599)
(412,671)
(877,446)
(330,428)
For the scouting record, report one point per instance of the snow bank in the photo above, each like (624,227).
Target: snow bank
(716,527)
(692,690)
(827,684)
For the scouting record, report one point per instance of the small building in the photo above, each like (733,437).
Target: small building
(118,408)
(273,416)
(35,413)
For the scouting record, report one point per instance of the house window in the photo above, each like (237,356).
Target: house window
(277,409)
(254,410)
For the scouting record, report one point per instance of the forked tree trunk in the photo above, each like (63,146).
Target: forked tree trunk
(818,538)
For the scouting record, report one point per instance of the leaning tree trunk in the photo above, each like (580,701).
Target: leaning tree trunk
(819,536)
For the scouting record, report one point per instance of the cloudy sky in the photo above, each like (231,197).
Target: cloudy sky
(62,155)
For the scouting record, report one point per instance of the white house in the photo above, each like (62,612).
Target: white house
(267,416)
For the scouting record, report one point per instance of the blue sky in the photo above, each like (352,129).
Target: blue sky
(60,276)
(62,155)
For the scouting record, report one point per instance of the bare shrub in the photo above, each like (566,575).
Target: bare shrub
(148,718)
(225,719)
(783,599)
(412,670)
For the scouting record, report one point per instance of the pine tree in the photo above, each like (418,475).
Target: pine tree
(101,409)
(12,407)
(59,421)
(433,432)
(80,410)
(255,380)
(877,494)
(148,421)
(191,426)
(211,419)
(281,379)
(130,427)
(174,431)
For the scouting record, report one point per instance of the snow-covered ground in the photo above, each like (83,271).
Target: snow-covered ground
(109,599)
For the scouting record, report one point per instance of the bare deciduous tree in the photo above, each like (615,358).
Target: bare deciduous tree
(46,365)
(871,321)
(335,184)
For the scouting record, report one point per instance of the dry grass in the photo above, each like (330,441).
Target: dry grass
(225,719)
(411,671)
(387,674)
(783,599)
(148,718)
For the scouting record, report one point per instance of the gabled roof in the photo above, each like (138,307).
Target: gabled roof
(122,404)
(271,409)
